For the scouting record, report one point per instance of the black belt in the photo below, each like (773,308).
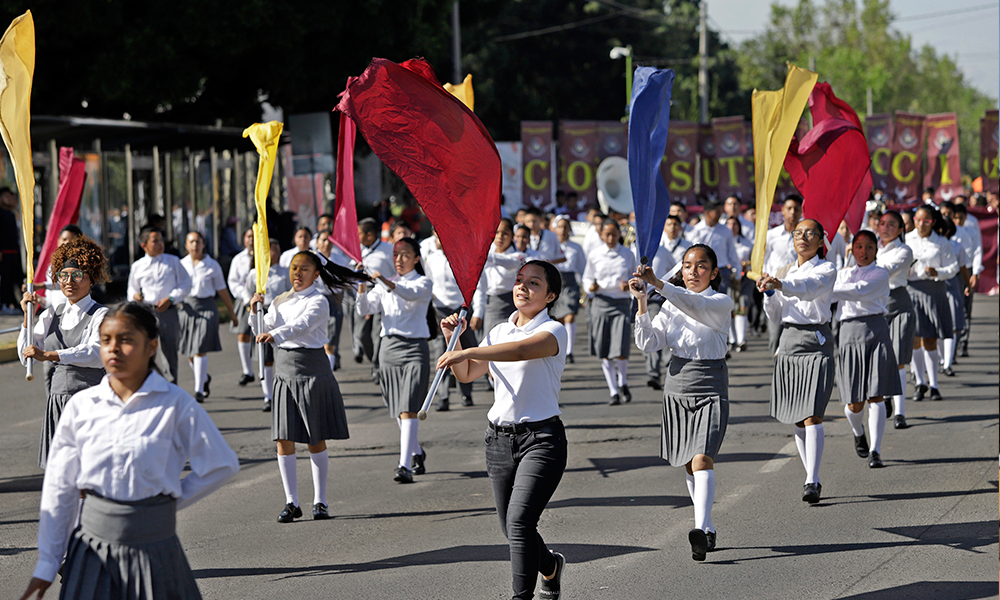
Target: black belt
(522,427)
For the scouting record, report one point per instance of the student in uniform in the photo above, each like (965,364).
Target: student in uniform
(376,255)
(404,301)
(327,251)
(743,287)
(693,323)
(522,243)
(566,310)
(239,269)
(125,443)
(609,268)
(803,365)
(956,287)
(896,257)
(493,301)
(542,240)
(779,252)
(302,239)
(673,238)
(866,364)
(199,315)
(160,281)
(308,407)
(278,282)
(66,336)
(525,439)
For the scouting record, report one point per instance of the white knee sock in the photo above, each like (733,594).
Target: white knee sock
(320,467)
(622,371)
(947,352)
(200,365)
(689,479)
(289,478)
(571,335)
(741,323)
(918,368)
(244,351)
(815,437)
(267,384)
(407,441)
(899,402)
(931,361)
(609,375)
(704,497)
(800,445)
(876,425)
(856,420)
(732,331)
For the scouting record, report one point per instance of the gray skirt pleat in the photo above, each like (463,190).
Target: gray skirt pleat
(127,551)
(404,369)
(568,302)
(695,409)
(866,365)
(803,373)
(902,324)
(307,405)
(956,294)
(610,330)
(243,313)
(61,382)
(54,405)
(199,319)
(498,310)
(931,308)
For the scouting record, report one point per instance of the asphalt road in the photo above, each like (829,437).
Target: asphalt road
(926,526)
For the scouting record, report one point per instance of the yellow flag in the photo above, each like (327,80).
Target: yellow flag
(463,91)
(265,137)
(17,66)
(775,118)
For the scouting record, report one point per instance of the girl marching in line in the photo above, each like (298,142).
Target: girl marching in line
(124,444)
(404,300)
(278,282)
(308,407)
(525,438)
(693,322)
(566,310)
(866,365)
(609,268)
(199,315)
(66,335)
(896,257)
(742,290)
(799,300)
(239,270)
(956,287)
(493,302)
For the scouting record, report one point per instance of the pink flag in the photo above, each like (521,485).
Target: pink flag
(72,175)
(345,214)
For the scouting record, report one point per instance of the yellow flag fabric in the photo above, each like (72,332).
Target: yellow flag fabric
(265,137)
(17,67)
(463,91)
(775,118)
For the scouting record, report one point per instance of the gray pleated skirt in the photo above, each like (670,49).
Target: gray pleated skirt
(568,302)
(498,310)
(902,324)
(307,405)
(695,409)
(956,293)
(61,382)
(199,326)
(127,551)
(243,312)
(866,365)
(803,373)
(610,330)
(931,308)
(404,368)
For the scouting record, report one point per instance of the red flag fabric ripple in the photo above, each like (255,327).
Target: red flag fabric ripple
(72,175)
(440,150)
(345,212)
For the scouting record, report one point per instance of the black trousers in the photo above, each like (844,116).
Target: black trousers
(525,469)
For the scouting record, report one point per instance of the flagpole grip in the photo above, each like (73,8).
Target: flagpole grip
(260,346)
(29,366)
(422,415)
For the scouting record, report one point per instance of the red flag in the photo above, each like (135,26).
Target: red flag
(440,150)
(72,174)
(345,213)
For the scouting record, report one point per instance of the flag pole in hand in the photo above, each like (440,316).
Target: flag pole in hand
(440,372)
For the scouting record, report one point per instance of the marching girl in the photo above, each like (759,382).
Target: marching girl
(66,335)
(525,439)
(308,407)
(866,365)
(278,282)
(609,268)
(896,257)
(572,268)
(803,366)
(124,444)
(742,290)
(693,322)
(199,315)
(956,293)
(493,301)
(239,270)
(404,355)
(934,264)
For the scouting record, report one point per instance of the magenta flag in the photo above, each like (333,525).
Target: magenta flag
(345,213)
(72,175)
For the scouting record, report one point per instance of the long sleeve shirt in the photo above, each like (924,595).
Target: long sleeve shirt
(896,258)
(718,238)
(804,297)
(158,277)
(297,319)
(206,276)
(547,245)
(403,308)
(861,291)
(88,353)
(932,251)
(446,291)
(677,247)
(498,276)
(609,268)
(238,269)
(694,325)
(576,259)
(779,250)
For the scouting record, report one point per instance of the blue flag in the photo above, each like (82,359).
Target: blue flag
(649,118)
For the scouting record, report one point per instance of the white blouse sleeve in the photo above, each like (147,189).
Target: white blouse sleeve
(316,310)
(212,461)
(651,336)
(414,290)
(370,302)
(873,285)
(899,258)
(42,322)
(817,282)
(949,262)
(713,311)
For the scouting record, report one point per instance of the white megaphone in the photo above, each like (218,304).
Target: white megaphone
(614,192)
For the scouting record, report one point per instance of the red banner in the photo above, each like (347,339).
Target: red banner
(679,159)
(578,160)
(906,168)
(878,131)
(709,162)
(989,147)
(72,175)
(536,163)
(731,148)
(944,169)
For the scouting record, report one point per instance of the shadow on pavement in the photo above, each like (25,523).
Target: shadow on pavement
(932,590)
(26,483)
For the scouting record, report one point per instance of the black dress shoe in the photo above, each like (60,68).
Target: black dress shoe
(208,380)
(964,354)
(626,394)
(699,544)
(467,401)
(861,445)
(418,462)
(244,380)
(654,383)
(711,540)
(811,492)
(570,359)
(403,475)
(336,364)
(320,513)
(935,394)
(442,405)
(615,400)
(550,588)
(267,406)
(948,371)
(875,461)
(290,513)
(900,422)
(358,358)
(920,393)
(199,397)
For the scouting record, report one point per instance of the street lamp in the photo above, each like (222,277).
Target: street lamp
(626,51)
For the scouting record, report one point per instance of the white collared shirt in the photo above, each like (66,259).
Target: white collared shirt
(932,251)
(427,247)
(896,258)
(158,277)
(378,257)
(446,291)
(779,250)
(88,353)
(498,276)
(576,260)
(744,248)
(609,267)
(238,269)
(861,291)
(748,228)
(547,245)
(694,325)
(278,282)
(404,308)
(963,235)
(206,276)
(804,297)
(126,452)
(526,390)
(297,319)
(591,239)
(720,239)
(677,246)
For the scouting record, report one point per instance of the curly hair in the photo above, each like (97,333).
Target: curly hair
(87,253)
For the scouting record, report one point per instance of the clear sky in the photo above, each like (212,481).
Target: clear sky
(966,30)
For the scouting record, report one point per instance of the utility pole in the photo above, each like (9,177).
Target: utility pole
(703,63)
(868,94)
(456,44)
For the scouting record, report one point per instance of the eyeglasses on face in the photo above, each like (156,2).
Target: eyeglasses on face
(65,276)
(805,234)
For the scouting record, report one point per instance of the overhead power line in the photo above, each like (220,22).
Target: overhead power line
(948,13)
(556,28)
